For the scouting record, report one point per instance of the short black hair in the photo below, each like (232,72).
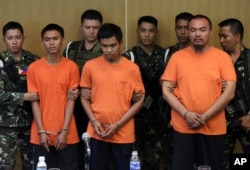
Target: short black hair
(51,27)
(12,25)
(183,15)
(200,16)
(91,14)
(149,19)
(109,30)
(236,27)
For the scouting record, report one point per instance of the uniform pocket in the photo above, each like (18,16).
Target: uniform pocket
(211,74)
(122,87)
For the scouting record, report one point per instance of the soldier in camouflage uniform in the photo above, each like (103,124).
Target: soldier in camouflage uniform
(15,108)
(80,52)
(150,122)
(181,31)
(237,112)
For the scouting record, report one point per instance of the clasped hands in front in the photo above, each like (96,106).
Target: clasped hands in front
(195,120)
(60,142)
(105,130)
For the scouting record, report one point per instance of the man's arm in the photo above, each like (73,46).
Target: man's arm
(222,101)
(14,99)
(193,119)
(167,91)
(111,129)
(86,103)
(44,140)
(131,112)
(73,94)
(61,141)
(31,96)
(86,93)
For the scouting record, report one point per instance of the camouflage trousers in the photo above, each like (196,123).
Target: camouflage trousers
(233,133)
(9,136)
(151,143)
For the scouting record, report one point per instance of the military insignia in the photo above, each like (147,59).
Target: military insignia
(22,71)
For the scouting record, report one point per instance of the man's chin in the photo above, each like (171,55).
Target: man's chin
(145,44)
(198,47)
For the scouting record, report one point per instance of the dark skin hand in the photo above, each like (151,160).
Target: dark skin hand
(245,122)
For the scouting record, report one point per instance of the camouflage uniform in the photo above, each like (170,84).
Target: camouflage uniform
(239,107)
(79,54)
(151,121)
(170,51)
(15,114)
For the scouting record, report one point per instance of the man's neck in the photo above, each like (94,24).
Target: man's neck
(53,59)
(89,44)
(183,45)
(148,49)
(16,56)
(114,61)
(235,54)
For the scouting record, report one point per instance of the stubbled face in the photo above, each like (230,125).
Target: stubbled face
(111,49)
(147,33)
(228,40)
(199,33)
(52,41)
(181,31)
(14,40)
(90,28)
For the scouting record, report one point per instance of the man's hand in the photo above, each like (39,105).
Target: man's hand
(86,93)
(195,120)
(73,94)
(136,96)
(245,122)
(172,87)
(44,141)
(34,96)
(223,85)
(61,141)
(110,130)
(98,127)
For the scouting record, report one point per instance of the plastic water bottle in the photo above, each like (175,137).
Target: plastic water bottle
(135,161)
(41,165)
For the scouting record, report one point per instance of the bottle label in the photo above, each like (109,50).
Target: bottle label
(41,168)
(135,166)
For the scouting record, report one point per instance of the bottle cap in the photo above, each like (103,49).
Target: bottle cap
(41,158)
(134,153)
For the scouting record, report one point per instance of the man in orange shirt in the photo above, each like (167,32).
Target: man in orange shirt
(113,79)
(53,130)
(197,102)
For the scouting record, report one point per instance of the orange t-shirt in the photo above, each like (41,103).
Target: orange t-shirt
(112,89)
(52,82)
(198,78)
